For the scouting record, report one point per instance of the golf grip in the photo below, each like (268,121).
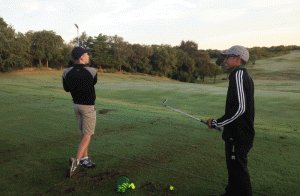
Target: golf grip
(217,128)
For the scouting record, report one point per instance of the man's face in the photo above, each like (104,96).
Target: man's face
(85,58)
(232,61)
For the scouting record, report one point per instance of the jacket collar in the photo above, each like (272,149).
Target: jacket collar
(240,67)
(79,65)
(235,69)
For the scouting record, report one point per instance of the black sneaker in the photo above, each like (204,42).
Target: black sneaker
(73,165)
(87,163)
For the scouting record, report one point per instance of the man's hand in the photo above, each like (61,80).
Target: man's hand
(209,123)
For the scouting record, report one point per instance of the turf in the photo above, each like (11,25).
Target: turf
(153,146)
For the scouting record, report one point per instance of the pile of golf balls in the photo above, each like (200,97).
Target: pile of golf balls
(125,186)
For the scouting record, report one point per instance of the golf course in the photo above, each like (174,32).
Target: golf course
(137,137)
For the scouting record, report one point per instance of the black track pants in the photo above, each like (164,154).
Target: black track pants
(238,176)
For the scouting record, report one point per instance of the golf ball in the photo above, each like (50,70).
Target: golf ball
(132,186)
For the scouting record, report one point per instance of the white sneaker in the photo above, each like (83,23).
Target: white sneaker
(73,165)
(87,163)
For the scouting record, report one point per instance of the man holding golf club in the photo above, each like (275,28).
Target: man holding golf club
(238,122)
(80,80)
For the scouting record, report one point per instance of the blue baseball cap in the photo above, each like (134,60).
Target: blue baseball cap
(77,52)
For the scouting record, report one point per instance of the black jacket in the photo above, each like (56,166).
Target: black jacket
(238,121)
(80,80)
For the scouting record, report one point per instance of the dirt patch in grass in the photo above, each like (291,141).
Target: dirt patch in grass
(105,111)
(154,121)
(81,180)
(12,152)
(157,189)
(32,69)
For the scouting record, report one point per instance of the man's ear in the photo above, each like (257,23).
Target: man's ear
(79,60)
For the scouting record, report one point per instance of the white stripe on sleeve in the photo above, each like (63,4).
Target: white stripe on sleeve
(241,99)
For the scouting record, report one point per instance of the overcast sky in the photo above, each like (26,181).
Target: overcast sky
(212,24)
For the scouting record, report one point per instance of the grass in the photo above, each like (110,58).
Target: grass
(153,146)
(278,68)
(214,60)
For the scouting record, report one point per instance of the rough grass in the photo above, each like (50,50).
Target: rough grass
(278,68)
(153,146)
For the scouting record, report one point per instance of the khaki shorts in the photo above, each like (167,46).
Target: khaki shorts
(86,118)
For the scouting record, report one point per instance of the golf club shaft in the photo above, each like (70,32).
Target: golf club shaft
(217,128)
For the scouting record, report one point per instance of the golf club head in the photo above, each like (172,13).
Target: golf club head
(164,102)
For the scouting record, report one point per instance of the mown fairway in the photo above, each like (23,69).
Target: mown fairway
(155,147)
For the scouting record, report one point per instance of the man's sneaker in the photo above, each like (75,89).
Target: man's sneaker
(87,163)
(73,165)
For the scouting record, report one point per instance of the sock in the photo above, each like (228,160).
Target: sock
(77,161)
(84,158)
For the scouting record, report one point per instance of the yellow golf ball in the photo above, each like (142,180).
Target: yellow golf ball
(171,188)
(132,186)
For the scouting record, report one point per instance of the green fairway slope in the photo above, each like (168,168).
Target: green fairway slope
(155,147)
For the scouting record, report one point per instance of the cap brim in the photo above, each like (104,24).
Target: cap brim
(224,53)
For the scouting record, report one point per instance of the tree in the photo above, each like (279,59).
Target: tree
(213,53)
(214,70)
(139,60)
(121,52)
(46,45)
(201,58)
(21,51)
(54,47)
(6,37)
(202,68)
(190,47)
(185,67)
(163,60)
(100,54)
(37,48)
(66,59)
(14,50)
(202,64)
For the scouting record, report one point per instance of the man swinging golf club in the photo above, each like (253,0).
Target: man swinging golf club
(80,80)
(238,122)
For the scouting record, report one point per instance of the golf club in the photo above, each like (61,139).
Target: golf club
(163,103)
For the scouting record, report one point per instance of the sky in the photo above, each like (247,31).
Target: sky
(212,24)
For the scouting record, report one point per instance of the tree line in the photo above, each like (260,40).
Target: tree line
(184,63)
(111,53)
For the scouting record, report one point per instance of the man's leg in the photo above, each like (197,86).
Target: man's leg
(238,175)
(83,147)
(74,162)
(86,118)
(88,129)
(86,152)
(82,151)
